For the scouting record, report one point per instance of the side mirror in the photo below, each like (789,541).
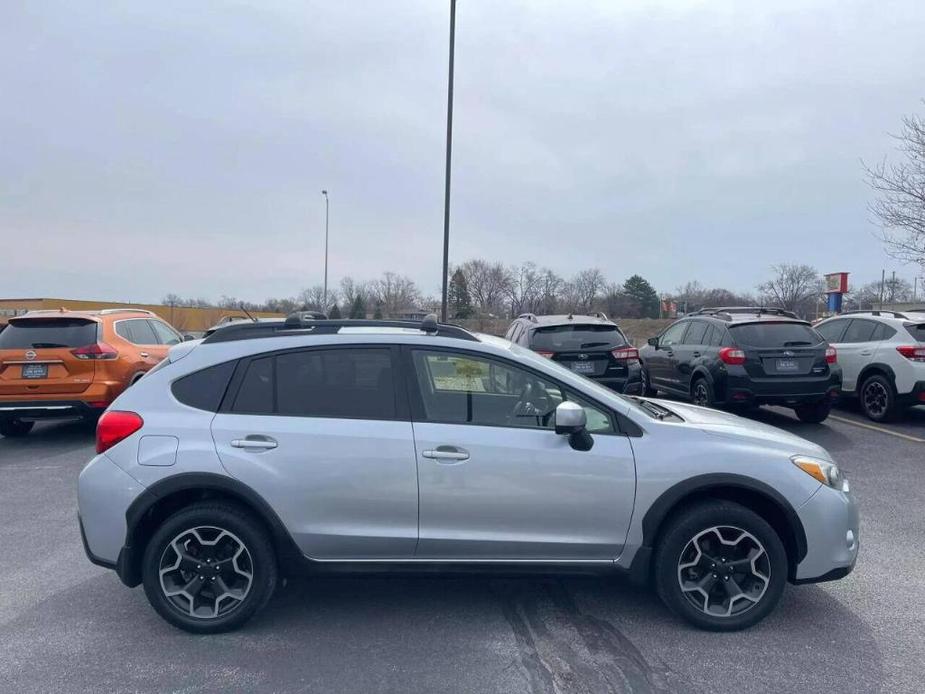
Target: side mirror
(570,417)
(571,420)
(653,341)
(187,337)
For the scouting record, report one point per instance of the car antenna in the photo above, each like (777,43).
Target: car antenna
(247,313)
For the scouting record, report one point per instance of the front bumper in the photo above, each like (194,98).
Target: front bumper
(832,525)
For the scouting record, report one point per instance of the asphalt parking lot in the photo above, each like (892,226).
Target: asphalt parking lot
(69,626)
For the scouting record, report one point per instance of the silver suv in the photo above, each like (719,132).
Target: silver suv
(270,447)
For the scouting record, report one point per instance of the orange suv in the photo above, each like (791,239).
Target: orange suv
(65,364)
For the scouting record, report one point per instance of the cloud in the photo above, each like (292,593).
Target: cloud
(178,147)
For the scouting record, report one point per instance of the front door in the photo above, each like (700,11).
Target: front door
(663,363)
(496,482)
(322,436)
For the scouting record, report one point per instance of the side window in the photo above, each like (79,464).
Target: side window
(344,383)
(469,389)
(255,396)
(203,389)
(137,331)
(165,335)
(509,335)
(673,335)
(860,331)
(833,330)
(695,333)
(883,332)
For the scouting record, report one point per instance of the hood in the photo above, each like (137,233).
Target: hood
(727,425)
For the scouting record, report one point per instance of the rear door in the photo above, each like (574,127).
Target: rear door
(856,349)
(688,353)
(36,356)
(781,349)
(140,333)
(323,435)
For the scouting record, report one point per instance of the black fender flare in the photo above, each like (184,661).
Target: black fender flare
(876,366)
(128,565)
(701,486)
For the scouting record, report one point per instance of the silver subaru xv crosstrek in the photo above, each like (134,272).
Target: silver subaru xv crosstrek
(271,447)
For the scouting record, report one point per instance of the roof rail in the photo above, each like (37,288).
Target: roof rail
(529,316)
(758,310)
(876,312)
(108,311)
(299,324)
(601,315)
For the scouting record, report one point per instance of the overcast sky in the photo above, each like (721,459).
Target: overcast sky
(155,147)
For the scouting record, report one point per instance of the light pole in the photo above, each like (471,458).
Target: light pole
(326,217)
(449,152)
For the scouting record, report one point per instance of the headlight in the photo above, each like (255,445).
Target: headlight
(823,470)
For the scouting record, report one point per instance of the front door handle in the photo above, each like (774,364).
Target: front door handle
(451,454)
(255,442)
(866,353)
(696,354)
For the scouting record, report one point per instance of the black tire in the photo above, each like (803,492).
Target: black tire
(878,398)
(259,561)
(647,389)
(13,428)
(813,412)
(697,521)
(702,392)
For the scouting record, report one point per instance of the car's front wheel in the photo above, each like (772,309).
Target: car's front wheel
(209,568)
(720,566)
(13,427)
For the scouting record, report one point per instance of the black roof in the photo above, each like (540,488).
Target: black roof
(747,314)
(301,323)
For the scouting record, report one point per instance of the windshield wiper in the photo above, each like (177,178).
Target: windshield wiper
(656,411)
(794,343)
(588,345)
(46,345)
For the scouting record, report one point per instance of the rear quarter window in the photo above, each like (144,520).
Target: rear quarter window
(204,389)
(916,330)
(41,333)
(772,334)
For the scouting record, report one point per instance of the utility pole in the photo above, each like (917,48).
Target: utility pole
(449,152)
(882,281)
(324,308)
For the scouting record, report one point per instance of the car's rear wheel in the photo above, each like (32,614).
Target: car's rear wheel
(13,427)
(878,398)
(702,393)
(209,568)
(720,566)
(813,412)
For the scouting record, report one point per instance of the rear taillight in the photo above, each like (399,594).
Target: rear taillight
(544,353)
(912,352)
(732,355)
(116,426)
(831,356)
(98,350)
(627,354)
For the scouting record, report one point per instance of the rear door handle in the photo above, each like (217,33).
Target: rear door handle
(450,454)
(696,354)
(255,442)
(144,354)
(866,353)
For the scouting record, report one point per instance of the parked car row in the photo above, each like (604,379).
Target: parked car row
(741,357)
(56,364)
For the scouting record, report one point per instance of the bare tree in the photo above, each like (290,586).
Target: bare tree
(524,288)
(900,186)
(350,290)
(793,287)
(588,284)
(550,290)
(312,298)
(393,292)
(488,284)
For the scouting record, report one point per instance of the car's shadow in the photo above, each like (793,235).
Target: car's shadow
(439,633)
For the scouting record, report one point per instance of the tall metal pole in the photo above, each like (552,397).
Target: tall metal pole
(449,152)
(325,307)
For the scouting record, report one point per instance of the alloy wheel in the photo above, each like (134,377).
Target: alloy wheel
(876,398)
(724,571)
(206,572)
(701,395)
